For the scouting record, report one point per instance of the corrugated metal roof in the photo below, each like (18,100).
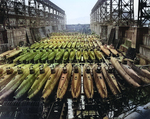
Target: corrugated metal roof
(99,2)
(51,4)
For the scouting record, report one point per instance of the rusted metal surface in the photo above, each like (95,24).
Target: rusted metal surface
(27,34)
(37,13)
(17,35)
(144,47)
(1,38)
(112,14)
(113,11)
(33,19)
(143,13)
(3,47)
(10,37)
(146,39)
(29,37)
(145,50)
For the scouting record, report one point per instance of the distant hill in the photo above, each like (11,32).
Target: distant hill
(82,28)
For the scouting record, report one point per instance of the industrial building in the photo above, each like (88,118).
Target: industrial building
(53,70)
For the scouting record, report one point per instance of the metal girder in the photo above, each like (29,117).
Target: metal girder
(14,13)
(119,12)
(20,1)
(143,13)
(126,12)
(4,12)
(51,5)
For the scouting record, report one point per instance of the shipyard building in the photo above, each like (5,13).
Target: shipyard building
(53,70)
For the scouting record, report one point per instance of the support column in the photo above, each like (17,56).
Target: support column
(98,29)
(109,28)
(117,33)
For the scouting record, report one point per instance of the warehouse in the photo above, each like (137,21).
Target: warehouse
(50,69)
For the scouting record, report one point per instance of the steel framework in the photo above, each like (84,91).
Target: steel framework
(143,13)
(118,12)
(38,13)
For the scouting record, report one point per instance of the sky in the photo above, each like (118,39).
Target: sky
(77,11)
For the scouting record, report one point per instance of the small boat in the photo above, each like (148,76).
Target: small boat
(131,73)
(5,79)
(91,54)
(98,54)
(76,82)
(137,69)
(85,55)
(52,81)
(143,75)
(3,68)
(88,82)
(15,82)
(113,50)
(99,81)
(105,50)
(64,80)
(95,43)
(39,82)
(147,73)
(99,43)
(123,73)
(111,80)
(78,55)
(7,52)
